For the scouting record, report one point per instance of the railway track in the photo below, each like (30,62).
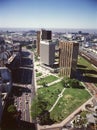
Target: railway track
(91,87)
(88,58)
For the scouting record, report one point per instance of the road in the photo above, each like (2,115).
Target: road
(22,93)
(24,86)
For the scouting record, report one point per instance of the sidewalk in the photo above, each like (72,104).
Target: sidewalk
(56,81)
(42,76)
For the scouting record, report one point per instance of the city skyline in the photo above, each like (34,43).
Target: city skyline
(48,14)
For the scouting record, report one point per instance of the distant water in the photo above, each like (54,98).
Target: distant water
(63,30)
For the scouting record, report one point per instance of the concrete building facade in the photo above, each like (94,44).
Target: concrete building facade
(47,52)
(42,35)
(68,54)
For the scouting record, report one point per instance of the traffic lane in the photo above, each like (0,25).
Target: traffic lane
(20,104)
(23,107)
(26,108)
(21,101)
(27,112)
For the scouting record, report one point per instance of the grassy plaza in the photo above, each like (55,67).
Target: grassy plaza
(38,74)
(47,79)
(72,98)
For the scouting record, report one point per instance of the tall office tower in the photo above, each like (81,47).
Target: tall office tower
(43,35)
(38,42)
(68,54)
(47,52)
(46,35)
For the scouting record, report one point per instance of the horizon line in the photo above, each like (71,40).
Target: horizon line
(49,27)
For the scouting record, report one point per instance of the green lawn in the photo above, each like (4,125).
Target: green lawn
(82,61)
(88,69)
(51,93)
(38,74)
(71,100)
(38,64)
(47,79)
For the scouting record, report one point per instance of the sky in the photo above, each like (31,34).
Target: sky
(48,14)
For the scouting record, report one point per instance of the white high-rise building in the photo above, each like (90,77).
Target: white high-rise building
(47,52)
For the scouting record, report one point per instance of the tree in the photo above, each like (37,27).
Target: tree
(11,109)
(39,106)
(39,110)
(74,83)
(12,116)
(66,82)
(44,84)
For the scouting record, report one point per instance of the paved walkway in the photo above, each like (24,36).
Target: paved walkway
(42,70)
(42,76)
(49,84)
(17,84)
(59,96)
(56,81)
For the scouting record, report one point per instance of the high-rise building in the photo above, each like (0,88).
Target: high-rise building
(38,42)
(47,52)
(68,54)
(43,35)
(46,35)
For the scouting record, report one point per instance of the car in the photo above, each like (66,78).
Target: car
(24,110)
(26,102)
(15,104)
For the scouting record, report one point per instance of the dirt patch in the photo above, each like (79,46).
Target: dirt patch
(68,96)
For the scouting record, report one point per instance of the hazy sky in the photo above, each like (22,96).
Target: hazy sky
(48,13)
